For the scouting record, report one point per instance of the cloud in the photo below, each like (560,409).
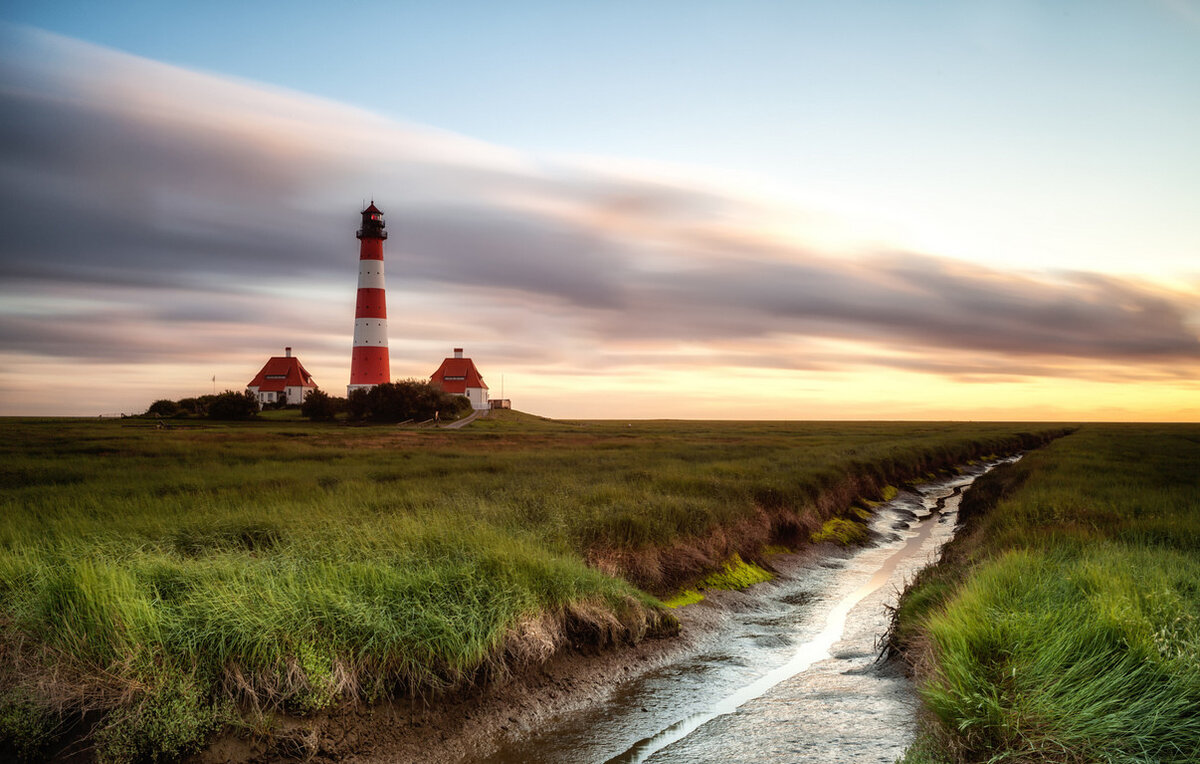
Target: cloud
(184,204)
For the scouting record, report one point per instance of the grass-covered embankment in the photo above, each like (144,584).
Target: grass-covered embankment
(1063,622)
(171,582)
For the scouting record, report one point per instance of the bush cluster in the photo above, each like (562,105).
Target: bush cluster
(320,406)
(407,400)
(180,409)
(232,406)
(229,405)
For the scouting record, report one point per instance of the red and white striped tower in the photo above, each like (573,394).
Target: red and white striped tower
(369,364)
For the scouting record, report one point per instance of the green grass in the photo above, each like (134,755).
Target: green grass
(1064,623)
(735,574)
(173,580)
(840,531)
(684,598)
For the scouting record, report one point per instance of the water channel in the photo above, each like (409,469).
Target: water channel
(789,675)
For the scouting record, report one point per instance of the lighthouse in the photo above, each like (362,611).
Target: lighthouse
(369,360)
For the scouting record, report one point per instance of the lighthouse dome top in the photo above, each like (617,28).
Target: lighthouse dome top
(372,223)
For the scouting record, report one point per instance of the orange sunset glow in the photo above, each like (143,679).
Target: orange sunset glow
(972,232)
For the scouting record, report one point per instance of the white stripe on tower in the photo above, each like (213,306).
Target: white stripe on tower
(370,274)
(370,332)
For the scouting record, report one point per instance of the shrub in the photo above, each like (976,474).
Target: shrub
(320,406)
(26,729)
(163,407)
(168,722)
(233,406)
(407,400)
(357,404)
(192,406)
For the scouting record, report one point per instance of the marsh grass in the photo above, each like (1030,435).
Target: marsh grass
(173,580)
(1064,623)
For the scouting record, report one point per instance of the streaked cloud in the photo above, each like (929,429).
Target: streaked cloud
(155,214)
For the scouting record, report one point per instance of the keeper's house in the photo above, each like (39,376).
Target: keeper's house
(459,376)
(282,379)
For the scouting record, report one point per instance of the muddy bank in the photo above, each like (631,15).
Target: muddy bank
(790,674)
(472,723)
(789,518)
(584,704)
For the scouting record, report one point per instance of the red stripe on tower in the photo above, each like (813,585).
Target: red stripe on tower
(369,365)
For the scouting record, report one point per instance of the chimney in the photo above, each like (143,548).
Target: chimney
(458,352)
(287,352)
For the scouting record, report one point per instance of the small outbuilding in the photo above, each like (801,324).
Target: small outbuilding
(459,376)
(284,379)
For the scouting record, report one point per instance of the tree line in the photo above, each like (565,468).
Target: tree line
(403,401)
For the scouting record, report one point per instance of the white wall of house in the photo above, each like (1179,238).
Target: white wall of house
(295,394)
(291,395)
(478,397)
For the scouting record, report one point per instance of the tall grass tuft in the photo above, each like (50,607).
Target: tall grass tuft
(1063,623)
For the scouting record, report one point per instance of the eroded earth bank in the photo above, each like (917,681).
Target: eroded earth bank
(786,670)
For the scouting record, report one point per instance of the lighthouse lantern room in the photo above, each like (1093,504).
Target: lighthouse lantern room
(369,364)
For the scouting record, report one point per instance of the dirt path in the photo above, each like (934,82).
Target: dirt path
(476,414)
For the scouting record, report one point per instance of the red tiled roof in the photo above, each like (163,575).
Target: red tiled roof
(281,372)
(455,375)
(374,209)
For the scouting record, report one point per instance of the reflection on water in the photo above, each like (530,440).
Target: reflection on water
(792,675)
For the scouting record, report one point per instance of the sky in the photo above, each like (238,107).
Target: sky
(751,210)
